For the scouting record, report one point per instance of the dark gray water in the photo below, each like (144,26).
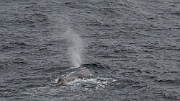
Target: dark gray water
(138,40)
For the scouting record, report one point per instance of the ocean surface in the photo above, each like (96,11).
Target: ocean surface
(132,45)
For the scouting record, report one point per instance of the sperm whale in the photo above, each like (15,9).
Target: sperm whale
(80,73)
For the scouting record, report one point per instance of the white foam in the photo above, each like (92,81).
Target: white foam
(97,83)
(91,83)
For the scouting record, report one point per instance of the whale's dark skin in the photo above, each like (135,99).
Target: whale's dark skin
(80,73)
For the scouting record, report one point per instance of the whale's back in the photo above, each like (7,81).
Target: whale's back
(79,73)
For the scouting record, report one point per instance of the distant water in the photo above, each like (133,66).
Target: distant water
(133,45)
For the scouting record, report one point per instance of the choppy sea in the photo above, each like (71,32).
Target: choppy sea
(133,45)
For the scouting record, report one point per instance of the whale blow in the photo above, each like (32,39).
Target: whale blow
(75,47)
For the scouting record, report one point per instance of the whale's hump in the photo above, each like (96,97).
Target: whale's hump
(83,72)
